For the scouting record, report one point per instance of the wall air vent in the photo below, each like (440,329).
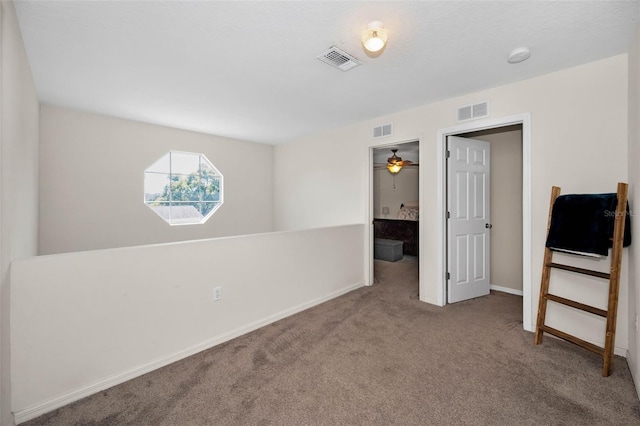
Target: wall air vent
(470,112)
(382,131)
(338,59)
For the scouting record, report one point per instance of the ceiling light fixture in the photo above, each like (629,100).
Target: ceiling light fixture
(374,37)
(394,163)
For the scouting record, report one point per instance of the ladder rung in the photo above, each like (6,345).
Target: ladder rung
(577,305)
(598,274)
(576,341)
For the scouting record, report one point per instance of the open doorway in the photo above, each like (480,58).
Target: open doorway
(505,269)
(396,213)
(484,219)
(442,256)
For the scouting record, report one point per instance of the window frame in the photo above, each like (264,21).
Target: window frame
(202,160)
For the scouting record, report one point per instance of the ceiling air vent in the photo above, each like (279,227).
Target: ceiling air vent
(382,131)
(338,59)
(469,112)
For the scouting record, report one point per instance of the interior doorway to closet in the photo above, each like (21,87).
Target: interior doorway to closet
(492,258)
(490,125)
(396,215)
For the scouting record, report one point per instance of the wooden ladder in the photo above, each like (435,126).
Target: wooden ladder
(614,285)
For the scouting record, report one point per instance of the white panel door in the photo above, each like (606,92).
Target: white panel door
(469,224)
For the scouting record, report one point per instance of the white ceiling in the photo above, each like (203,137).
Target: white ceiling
(248,69)
(406,151)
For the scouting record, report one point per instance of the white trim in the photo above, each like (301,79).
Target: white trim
(617,350)
(525,120)
(441,215)
(632,367)
(368,252)
(422,228)
(5,338)
(527,322)
(368,235)
(47,406)
(505,289)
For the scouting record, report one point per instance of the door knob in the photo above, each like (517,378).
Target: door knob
(488,225)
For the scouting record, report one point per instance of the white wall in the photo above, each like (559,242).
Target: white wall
(92,175)
(506,205)
(18,177)
(385,195)
(312,189)
(634,201)
(82,322)
(579,142)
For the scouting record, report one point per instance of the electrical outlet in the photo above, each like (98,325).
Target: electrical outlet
(217,293)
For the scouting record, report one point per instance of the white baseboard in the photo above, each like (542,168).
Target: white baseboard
(430,301)
(37,410)
(506,290)
(635,373)
(616,349)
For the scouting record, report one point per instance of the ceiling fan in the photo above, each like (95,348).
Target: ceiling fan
(394,163)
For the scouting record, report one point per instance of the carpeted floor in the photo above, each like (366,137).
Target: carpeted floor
(376,356)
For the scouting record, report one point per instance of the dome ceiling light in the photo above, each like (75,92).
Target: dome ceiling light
(394,163)
(374,37)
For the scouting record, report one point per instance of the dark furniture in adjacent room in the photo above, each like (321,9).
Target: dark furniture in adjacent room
(389,250)
(399,230)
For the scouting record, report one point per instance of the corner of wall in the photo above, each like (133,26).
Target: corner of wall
(5,382)
(19,160)
(633,356)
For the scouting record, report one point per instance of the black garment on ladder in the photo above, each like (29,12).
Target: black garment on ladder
(584,223)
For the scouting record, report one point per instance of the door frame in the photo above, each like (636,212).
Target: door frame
(369,238)
(525,121)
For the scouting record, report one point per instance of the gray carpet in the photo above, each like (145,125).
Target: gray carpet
(376,356)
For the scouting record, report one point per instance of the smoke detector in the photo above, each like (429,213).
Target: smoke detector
(519,54)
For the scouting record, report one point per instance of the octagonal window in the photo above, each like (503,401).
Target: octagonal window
(183,188)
